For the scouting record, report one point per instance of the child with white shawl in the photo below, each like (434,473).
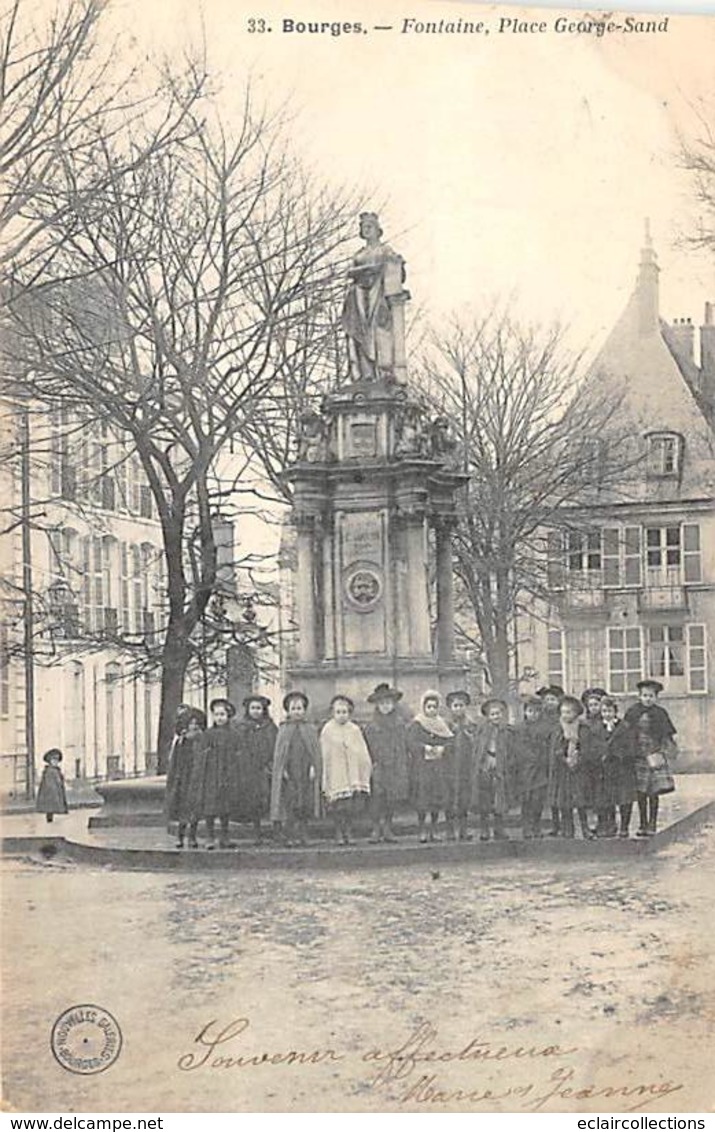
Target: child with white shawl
(347,766)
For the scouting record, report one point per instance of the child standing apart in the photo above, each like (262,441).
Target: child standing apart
(532,744)
(619,780)
(429,739)
(386,738)
(295,782)
(495,770)
(460,765)
(571,759)
(257,733)
(51,796)
(655,740)
(180,802)
(346,766)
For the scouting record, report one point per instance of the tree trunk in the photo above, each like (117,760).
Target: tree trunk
(499,645)
(175,659)
(176,651)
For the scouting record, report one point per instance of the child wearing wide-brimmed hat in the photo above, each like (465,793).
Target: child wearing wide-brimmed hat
(386,738)
(51,796)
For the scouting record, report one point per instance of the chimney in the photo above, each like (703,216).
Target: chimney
(682,335)
(707,354)
(647,287)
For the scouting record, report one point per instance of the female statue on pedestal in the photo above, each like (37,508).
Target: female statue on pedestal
(377,273)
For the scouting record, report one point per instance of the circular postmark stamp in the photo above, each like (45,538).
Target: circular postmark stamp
(86,1039)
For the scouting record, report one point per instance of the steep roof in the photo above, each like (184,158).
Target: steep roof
(640,364)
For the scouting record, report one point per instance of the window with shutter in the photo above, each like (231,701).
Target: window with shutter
(692,570)
(611,556)
(632,556)
(555,656)
(697,659)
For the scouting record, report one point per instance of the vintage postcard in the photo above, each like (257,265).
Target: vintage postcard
(358,558)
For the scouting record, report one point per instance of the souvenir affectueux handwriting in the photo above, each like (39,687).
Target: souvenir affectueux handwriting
(535,1077)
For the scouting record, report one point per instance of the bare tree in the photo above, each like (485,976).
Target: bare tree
(180,287)
(535,450)
(697,156)
(61,91)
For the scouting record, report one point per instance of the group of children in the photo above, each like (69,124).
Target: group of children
(567,755)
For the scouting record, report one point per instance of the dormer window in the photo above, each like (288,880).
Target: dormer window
(665,453)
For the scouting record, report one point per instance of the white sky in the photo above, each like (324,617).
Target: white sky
(509,164)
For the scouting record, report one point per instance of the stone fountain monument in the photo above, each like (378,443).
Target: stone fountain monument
(375,483)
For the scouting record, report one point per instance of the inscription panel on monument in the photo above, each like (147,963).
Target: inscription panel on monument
(363,573)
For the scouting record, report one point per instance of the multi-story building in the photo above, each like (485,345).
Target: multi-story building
(86,544)
(632,582)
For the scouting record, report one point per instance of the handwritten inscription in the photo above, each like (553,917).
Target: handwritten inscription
(534,1078)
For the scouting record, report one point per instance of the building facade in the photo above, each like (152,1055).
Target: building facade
(86,545)
(632,576)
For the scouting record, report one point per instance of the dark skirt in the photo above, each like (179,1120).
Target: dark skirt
(429,784)
(569,789)
(459,778)
(51,797)
(298,790)
(214,775)
(618,783)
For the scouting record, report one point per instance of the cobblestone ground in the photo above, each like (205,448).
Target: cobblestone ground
(378,990)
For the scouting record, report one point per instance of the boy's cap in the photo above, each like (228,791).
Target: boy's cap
(53,753)
(457,695)
(654,684)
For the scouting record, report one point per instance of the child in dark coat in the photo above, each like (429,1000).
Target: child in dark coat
(257,733)
(532,744)
(460,765)
(215,773)
(654,734)
(495,778)
(51,796)
(618,781)
(430,743)
(297,770)
(180,801)
(386,738)
(572,756)
(551,697)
